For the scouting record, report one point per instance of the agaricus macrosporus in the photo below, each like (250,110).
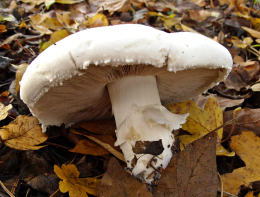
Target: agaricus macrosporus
(131,71)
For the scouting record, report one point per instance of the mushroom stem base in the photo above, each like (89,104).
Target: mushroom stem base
(144,126)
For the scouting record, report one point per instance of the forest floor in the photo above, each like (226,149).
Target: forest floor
(221,159)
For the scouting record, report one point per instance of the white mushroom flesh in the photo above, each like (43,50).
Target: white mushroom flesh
(144,126)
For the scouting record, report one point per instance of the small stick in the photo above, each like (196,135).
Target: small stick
(6,190)
(221,185)
(109,148)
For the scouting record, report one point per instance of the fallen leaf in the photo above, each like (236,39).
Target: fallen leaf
(247,146)
(252,32)
(45,23)
(23,25)
(87,147)
(2,28)
(246,119)
(101,127)
(241,76)
(19,74)
(10,39)
(201,121)
(77,187)
(223,102)
(256,87)
(246,42)
(117,182)
(114,5)
(97,20)
(191,172)
(168,20)
(250,194)
(24,133)
(48,3)
(55,37)
(4,110)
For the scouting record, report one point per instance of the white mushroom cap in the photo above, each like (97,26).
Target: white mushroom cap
(67,82)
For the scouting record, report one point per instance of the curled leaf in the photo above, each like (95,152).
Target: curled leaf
(4,111)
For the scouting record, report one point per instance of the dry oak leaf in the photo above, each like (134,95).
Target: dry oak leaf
(191,172)
(4,110)
(24,133)
(247,146)
(116,182)
(201,121)
(114,5)
(77,187)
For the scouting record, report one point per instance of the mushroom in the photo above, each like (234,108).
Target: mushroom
(133,71)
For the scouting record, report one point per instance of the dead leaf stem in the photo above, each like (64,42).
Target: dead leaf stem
(221,185)
(6,190)
(107,147)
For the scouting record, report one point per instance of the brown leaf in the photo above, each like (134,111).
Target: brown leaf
(242,76)
(246,119)
(114,5)
(24,133)
(191,172)
(102,127)
(117,182)
(223,102)
(87,147)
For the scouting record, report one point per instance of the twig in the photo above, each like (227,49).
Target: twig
(221,185)
(54,193)
(109,148)
(6,190)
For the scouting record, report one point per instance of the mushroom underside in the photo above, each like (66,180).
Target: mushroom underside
(85,96)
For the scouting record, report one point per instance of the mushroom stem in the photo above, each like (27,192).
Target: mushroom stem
(144,126)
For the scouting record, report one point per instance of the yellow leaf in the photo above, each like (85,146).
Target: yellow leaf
(4,110)
(24,133)
(97,20)
(168,20)
(23,25)
(45,23)
(250,194)
(48,3)
(247,146)
(201,121)
(55,37)
(77,187)
(19,74)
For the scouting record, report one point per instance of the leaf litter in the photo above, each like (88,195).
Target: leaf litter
(28,27)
